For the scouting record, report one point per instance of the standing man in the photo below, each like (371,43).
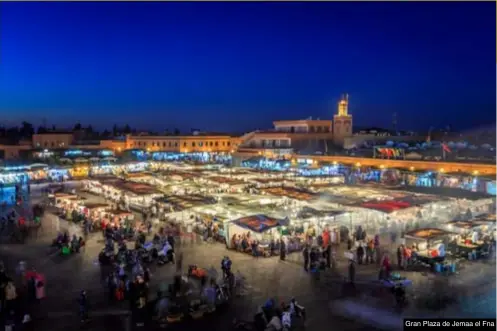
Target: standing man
(305,253)
(282,250)
(328,255)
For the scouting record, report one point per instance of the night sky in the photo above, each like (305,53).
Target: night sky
(238,66)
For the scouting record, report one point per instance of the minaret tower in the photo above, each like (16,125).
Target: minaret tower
(342,121)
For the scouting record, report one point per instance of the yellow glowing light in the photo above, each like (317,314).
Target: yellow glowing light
(411,168)
(186,151)
(232,151)
(260,153)
(358,164)
(335,162)
(119,149)
(382,166)
(442,170)
(148,149)
(476,172)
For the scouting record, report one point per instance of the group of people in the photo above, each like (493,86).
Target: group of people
(68,245)
(18,295)
(278,318)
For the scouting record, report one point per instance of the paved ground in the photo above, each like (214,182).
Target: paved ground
(325,299)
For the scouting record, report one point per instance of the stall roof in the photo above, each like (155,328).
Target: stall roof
(290,192)
(427,233)
(257,223)
(95,205)
(210,217)
(226,180)
(182,174)
(308,212)
(485,218)
(183,202)
(466,225)
(138,174)
(270,180)
(386,206)
(135,188)
(447,192)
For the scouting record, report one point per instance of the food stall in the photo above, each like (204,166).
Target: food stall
(218,223)
(270,182)
(79,171)
(467,239)
(62,199)
(428,246)
(101,170)
(291,193)
(254,234)
(175,203)
(225,184)
(177,175)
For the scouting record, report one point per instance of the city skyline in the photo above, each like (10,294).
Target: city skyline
(235,67)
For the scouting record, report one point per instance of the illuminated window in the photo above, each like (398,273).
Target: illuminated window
(184,144)
(224,143)
(210,144)
(176,144)
(193,144)
(229,143)
(164,144)
(170,144)
(200,144)
(215,144)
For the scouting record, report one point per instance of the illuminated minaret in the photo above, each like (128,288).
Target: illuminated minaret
(342,121)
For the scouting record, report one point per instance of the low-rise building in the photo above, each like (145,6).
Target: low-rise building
(53,140)
(201,142)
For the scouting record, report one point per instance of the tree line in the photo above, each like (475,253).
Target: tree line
(26,131)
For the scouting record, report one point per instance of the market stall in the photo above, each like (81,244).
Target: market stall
(177,175)
(312,222)
(130,194)
(62,199)
(271,182)
(428,245)
(79,211)
(291,193)
(175,203)
(79,171)
(488,228)
(467,240)
(216,223)
(256,234)
(225,184)
(102,170)
(137,195)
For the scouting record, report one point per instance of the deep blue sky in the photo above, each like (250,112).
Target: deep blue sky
(238,66)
